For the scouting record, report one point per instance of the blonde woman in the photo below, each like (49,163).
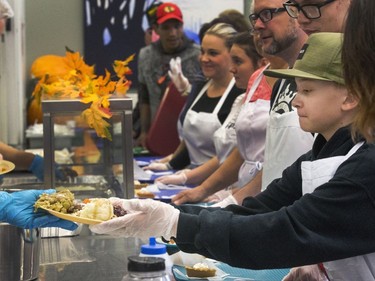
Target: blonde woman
(209,102)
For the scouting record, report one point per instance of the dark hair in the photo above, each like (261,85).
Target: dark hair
(151,12)
(232,17)
(358,63)
(246,41)
(236,19)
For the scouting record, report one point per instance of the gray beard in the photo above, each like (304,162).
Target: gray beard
(284,43)
(279,46)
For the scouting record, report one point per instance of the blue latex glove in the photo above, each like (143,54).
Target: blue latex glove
(37,168)
(18,209)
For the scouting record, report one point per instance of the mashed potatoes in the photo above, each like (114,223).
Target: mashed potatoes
(97,209)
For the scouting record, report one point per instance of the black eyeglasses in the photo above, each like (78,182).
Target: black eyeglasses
(310,11)
(264,15)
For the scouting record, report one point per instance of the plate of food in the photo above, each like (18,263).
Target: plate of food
(89,211)
(6,166)
(72,217)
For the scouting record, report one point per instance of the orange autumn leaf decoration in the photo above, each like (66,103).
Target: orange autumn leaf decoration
(94,116)
(70,77)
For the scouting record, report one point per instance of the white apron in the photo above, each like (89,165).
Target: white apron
(285,142)
(314,174)
(251,134)
(225,138)
(199,127)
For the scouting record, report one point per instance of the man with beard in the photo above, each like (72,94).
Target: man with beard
(282,36)
(285,140)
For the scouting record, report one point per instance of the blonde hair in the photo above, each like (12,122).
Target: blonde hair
(224,31)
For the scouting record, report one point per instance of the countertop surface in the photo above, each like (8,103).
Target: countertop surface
(86,257)
(90,257)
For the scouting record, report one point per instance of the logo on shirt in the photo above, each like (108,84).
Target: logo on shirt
(302,52)
(283,101)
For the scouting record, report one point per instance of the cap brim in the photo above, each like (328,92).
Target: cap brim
(169,17)
(292,73)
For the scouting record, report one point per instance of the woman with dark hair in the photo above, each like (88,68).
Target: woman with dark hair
(358,62)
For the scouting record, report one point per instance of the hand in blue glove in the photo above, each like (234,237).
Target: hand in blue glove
(18,209)
(37,168)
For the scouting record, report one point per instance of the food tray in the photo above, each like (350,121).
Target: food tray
(240,274)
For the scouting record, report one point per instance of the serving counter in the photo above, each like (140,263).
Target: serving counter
(86,257)
(90,257)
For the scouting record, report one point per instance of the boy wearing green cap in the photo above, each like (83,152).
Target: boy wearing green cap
(321,210)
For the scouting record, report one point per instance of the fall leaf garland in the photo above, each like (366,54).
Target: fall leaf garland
(70,77)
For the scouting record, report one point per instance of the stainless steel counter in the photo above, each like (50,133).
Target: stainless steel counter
(86,257)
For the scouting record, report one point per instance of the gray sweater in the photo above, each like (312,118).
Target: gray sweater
(153,64)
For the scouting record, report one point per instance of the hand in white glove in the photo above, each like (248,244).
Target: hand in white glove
(306,273)
(144,218)
(175,73)
(226,202)
(6,10)
(157,166)
(165,159)
(178,179)
(219,195)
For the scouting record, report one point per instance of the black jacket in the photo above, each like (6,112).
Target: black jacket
(281,228)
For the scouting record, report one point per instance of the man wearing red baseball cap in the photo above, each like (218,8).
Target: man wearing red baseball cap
(153,63)
(168,11)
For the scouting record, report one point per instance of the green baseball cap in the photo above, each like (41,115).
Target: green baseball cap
(319,59)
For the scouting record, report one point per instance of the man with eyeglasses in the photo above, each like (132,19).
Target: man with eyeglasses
(280,35)
(317,15)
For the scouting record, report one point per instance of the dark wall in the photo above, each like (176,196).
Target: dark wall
(113,33)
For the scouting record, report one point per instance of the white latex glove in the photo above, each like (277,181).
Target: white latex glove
(306,273)
(178,179)
(165,159)
(226,202)
(144,218)
(182,171)
(6,10)
(157,166)
(175,73)
(219,195)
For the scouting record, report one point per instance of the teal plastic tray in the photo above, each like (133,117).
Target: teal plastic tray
(239,274)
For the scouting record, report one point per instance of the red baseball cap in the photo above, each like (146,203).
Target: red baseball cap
(168,11)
